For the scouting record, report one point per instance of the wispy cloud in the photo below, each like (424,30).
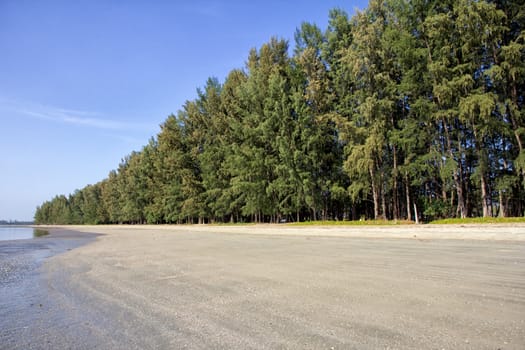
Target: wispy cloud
(73,117)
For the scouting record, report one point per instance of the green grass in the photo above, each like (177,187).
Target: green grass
(406,222)
(353,223)
(479,221)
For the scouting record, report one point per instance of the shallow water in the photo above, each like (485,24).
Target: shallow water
(30,318)
(8,233)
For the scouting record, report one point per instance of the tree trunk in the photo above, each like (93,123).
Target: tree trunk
(502,205)
(515,126)
(395,198)
(461,209)
(383,200)
(487,212)
(314,210)
(375,193)
(407,194)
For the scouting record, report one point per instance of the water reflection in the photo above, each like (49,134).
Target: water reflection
(38,232)
(8,233)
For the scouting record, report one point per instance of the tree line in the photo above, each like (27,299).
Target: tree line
(408,106)
(14,222)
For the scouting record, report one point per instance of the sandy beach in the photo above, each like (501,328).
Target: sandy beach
(278,287)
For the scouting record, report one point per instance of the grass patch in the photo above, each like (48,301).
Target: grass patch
(353,223)
(479,221)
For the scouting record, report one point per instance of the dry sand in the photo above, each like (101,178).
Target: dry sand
(282,287)
(498,232)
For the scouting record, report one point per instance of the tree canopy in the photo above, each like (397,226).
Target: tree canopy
(406,105)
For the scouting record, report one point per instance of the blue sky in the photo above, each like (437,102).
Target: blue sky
(84,83)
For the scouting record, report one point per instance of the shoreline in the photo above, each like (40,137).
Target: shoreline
(26,308)
(29,254)
(484,232)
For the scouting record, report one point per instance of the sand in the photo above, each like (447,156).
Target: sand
(282,287)
(495,232)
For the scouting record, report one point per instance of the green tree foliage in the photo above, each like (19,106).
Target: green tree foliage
(408,106)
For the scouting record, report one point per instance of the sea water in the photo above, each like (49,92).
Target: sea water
(8,233)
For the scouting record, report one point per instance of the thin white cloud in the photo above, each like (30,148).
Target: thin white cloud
(73,117)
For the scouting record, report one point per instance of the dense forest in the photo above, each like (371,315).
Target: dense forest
(407,105)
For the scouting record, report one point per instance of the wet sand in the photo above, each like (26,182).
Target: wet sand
(276,287)
(28,319)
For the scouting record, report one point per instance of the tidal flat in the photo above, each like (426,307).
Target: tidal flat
(272,286)
(29,318)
